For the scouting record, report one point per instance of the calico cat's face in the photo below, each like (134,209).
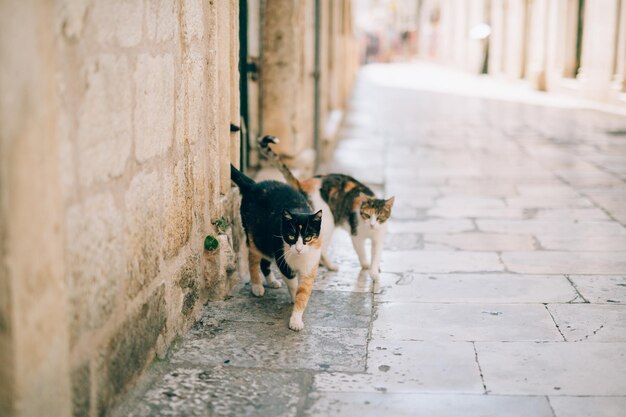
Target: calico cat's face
(375,211)
(301,231)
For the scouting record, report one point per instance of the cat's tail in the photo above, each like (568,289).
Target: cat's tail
(243,182)
(264,146)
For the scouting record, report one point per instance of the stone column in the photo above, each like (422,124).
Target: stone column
(234,82)
(598,50)
(34,340)
(282,65)
(619,77)
(538,48)
(515,29)
(498,39)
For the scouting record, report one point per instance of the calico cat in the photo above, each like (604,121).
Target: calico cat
(280,226)
(344,202)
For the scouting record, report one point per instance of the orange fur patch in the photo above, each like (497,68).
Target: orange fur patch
(310,185)
(356,203)
(349,186)
(254,262)
(315,243)
(304,290)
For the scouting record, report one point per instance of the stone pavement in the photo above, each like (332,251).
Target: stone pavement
(504,284)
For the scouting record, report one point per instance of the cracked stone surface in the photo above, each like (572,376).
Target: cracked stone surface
(590,322)
(401,366)
(431,405)
(221,391)
(522,368)
(474,288)
(503,284)
(464,322)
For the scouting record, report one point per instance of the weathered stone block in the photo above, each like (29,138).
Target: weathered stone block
(130,348)
(71,18)
(193,18)
(196,93)
(161,22)
(104,135)
(67,160)
(192,287)
(178,194)
(202,187)
(220,268)
(118,21)
(143,230)
(95,262)
(154,108)
(81,390)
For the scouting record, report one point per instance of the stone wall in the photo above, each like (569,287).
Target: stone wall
(115,159)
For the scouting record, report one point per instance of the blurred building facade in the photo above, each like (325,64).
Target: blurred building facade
(387,29)
(118,122)
(568,46)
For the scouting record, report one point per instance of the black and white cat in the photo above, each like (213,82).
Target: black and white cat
(280,226)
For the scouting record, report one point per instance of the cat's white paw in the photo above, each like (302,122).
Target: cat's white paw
(272,282)
(295,322)
(331,266)
(374,273)
(258,290)
(275,284)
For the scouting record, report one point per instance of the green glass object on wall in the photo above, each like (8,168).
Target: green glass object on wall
(210,243)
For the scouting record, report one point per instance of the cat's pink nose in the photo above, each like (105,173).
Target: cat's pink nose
(299,250)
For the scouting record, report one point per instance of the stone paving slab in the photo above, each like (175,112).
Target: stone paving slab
(464,322)
(440,261)
(601,289)
(481,241)
(404,241)
(588,406)
(573,229)
(465,200)
(401,366)
(587,244)
(563,262)
(557,368)
(548,201)
(572,214)
(430,405)
(590,322)
(431,226)
(273,345)
(474,288)
(325,308)
(221,391)
(474,212)
(350,280)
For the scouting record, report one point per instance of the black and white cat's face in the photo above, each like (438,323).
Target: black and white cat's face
(376,211)
(301,232)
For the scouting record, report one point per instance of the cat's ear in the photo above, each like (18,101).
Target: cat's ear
(286,215)
(317,217)
(389,202)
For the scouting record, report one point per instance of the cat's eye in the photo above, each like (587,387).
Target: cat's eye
(308,238)
(291,237)
(365,215)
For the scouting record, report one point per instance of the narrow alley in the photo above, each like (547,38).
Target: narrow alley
(503,289)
